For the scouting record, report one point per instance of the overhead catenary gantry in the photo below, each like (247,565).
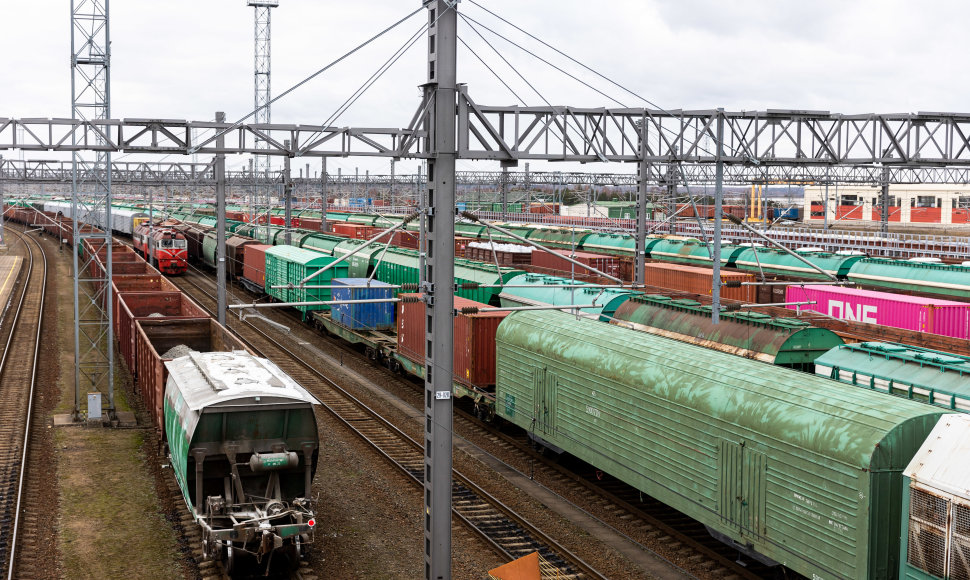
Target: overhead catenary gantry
(17,171)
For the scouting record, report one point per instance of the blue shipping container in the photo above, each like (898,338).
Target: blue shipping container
(366,316)
(790,213)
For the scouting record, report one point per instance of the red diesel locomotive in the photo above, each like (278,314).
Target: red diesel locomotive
(162,247)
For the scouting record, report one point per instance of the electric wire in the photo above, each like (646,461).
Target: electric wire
(604,77)
(366,85)
(335,62)
(536,56)
(495,74)
(566,124)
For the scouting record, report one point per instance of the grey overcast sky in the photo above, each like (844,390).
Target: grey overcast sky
(185,60)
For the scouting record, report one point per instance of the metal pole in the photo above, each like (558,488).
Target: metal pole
(422,226)
(220,169)
(323,195)
(825,211)
(439,288)
(641,234)
(505,188)
(288,195)
(884,210)
(390,193)
(718,214)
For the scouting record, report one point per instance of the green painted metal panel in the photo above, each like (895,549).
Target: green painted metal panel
(782,341)
(521,231)
(924,375)
(774,261)
(543,289)
(362,218)
(613,244)
(464,230)
(653,412)
(289,265)
(939,279)
(359,265)
(209,247)
(559,237)
(318,241)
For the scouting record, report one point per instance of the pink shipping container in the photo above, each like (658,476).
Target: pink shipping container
(474,355)
(932,315)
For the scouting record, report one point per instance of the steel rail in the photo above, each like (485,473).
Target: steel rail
(33,381)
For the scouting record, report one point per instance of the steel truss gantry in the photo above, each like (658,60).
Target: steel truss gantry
(753,139)
(15,171)
(91,198)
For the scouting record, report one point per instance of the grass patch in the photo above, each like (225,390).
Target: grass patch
(112,527)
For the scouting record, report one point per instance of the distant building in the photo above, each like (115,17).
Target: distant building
(930,204)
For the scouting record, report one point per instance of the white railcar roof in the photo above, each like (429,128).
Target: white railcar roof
(212,379)
(941,463)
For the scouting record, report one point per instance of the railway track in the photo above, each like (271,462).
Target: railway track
(510,534)
(22,520)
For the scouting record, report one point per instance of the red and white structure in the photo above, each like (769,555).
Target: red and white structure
(928,204)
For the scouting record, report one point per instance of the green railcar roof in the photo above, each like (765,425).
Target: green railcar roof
(299,255)
(780,341)
(929,376)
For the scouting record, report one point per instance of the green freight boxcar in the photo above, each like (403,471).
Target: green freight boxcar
(772,261)
(400,266)
(541,290)
(612,244)
(789,467)
(787,342)
(288,265)
(920,374)
(939,279)
(691,251)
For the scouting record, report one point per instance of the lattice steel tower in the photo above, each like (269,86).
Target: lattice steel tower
(91,203)
(262,84)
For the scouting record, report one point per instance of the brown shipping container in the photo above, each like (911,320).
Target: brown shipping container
(697,280)
(254,263)
(606,264)
(504,258)
(235,247)
(154,337)
(312,224)
(405,239)
(474,355)
(137,283)
(134,305)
